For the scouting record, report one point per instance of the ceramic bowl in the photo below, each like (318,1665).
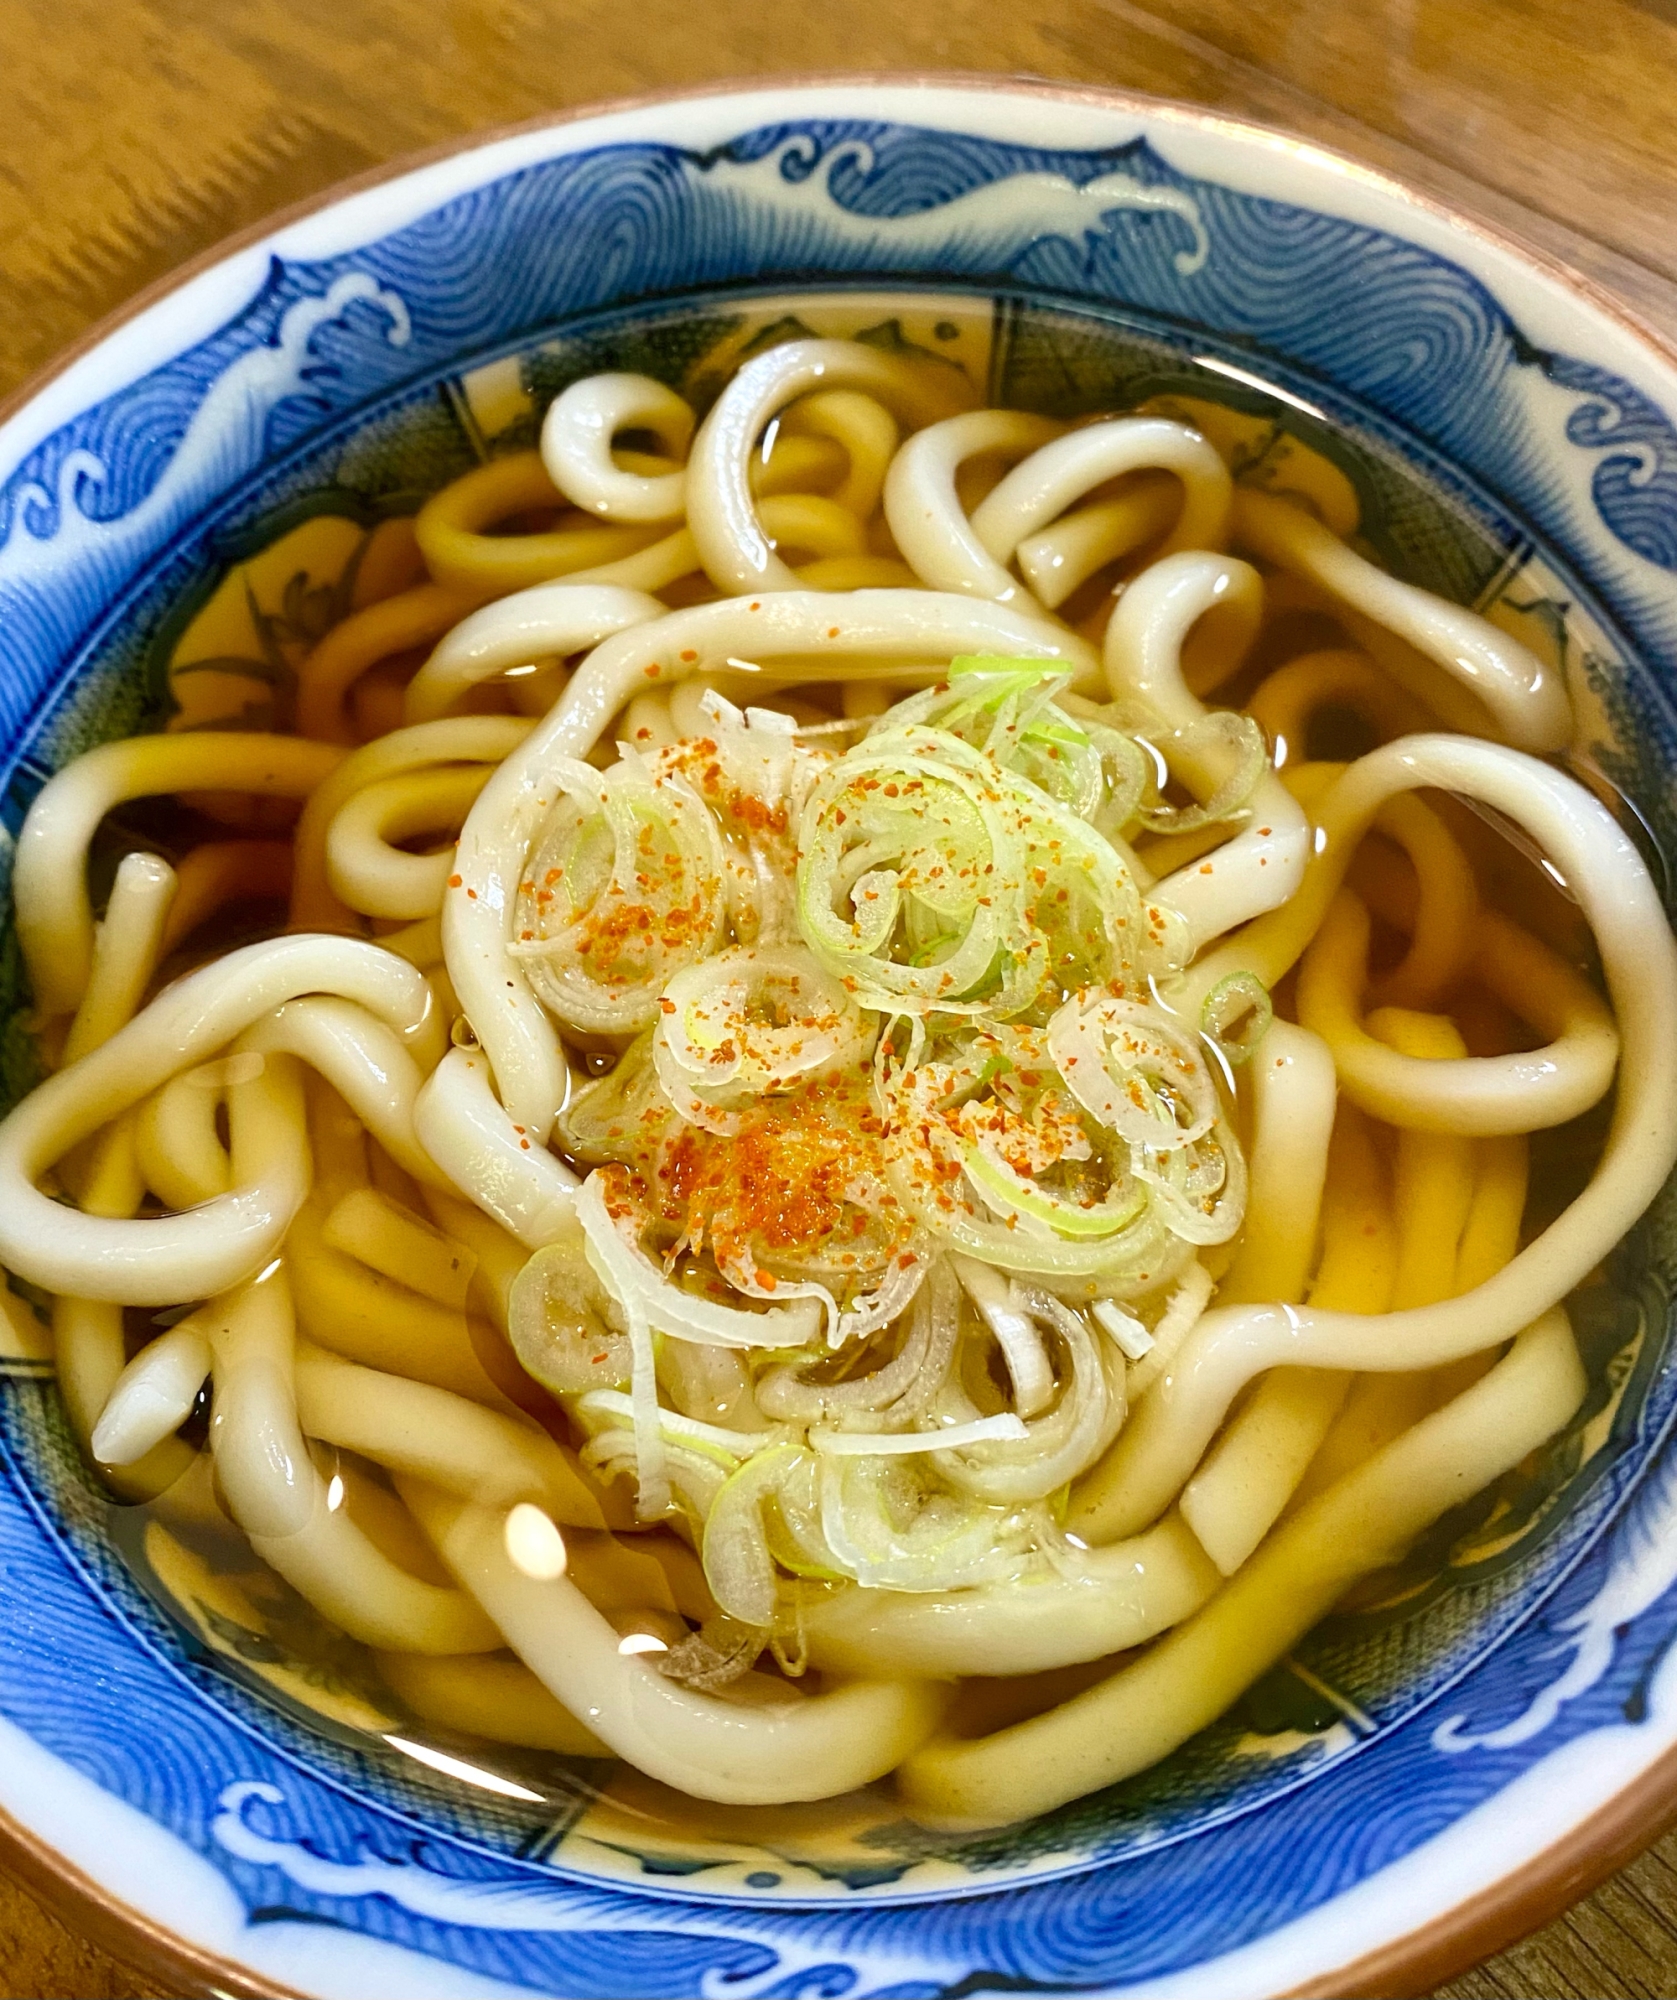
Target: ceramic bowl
(1424,1778)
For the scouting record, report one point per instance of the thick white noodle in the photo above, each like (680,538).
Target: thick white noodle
(176,1136)
(1172,1426)
(88,1335)
(1150,1704)
(552,620)
(137,1101)
(1526,700)
(1472,1096)
(423,746)
(364,864)
(865,429)
(162,1260)
(153,1395)
(737,554)
(277,1496)
(508,1173)
(576,446)
(1116,1598)
(916,627)
(805,1747)
(365,1061)
(1293,1092)
(1264,863)
(1071,549)
(126,948)
(1060,473)
(1232,1501)
(50,904)
(926,519)
(799,518)
(492,1456)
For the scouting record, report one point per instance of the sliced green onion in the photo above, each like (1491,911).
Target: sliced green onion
(1241,998)
(1225,744)
(738,1564)
(1131,1067)
(566,1327)
(752,1022)
(622,887)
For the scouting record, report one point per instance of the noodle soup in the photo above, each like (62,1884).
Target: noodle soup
(838,1090)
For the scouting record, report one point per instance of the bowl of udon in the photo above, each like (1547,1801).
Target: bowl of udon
(840,1051)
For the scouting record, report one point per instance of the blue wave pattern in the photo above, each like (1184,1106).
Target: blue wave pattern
(1412,336)
(1635,482)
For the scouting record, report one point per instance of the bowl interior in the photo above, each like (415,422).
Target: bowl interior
(211,635)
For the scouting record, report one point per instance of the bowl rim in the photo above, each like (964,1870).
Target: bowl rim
(1532,1892)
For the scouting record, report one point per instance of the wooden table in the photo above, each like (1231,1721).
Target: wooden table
(134,134)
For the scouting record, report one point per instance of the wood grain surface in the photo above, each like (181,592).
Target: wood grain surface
(136,133)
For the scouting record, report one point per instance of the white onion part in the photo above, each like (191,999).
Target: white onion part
(624,1268)
(921,627)
(1132,1338)
(1015,1331)
(1003,1429)
(1124,1062)
(1183,1312)
(681,1429)
(711,1048)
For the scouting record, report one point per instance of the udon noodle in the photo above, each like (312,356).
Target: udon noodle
(849,1111)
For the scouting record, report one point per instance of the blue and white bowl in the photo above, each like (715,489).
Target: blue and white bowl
(1423,1780)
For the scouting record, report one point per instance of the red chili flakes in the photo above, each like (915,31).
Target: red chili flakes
(473,894)
(688,654)
(454,881)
